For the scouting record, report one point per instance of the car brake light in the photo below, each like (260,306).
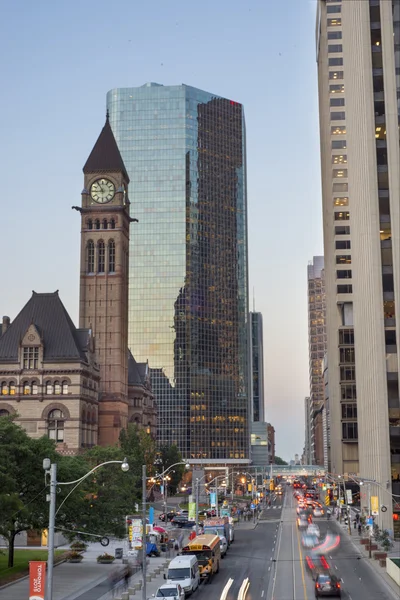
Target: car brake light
(338,585)
(317,585)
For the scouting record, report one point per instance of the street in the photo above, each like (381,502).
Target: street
(290,580)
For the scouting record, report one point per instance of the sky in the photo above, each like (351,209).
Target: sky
(59,59)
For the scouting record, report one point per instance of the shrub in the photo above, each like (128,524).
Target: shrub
(105,556)
(385,541)
(78,545)
(73,554)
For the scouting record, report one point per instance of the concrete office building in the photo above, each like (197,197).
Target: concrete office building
(316,350)
(358,55)
(185,153)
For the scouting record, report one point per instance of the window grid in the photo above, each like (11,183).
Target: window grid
(31,357)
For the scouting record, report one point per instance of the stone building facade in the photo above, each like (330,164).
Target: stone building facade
(82,386)
(49,376)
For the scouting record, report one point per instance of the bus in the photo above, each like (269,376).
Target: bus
(207,549)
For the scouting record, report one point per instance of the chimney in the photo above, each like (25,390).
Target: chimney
(5,325)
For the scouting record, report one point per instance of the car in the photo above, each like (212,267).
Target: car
(313,529)
(309,541)
(317,564)
(173,591)
(302,523)
(223,544)
(318,511)
(327,584)
(167,516)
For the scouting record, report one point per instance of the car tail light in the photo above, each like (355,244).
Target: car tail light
(317,585)
(324,562)
(338,585)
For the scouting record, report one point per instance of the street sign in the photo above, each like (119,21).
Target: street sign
(252,506)
(327,500)
(370,521)
(349,494)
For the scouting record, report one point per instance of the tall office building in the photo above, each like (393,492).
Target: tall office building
(316,352)
(307,432)
(185,153)
(257,367)
(358,55)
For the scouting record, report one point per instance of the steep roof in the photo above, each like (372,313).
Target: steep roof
(105,155)
(61,339)
(136,371)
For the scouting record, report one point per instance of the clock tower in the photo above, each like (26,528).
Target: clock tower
(104,278)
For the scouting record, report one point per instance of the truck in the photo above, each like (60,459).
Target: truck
(219,526)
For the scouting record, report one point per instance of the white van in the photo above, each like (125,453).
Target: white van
(185,571)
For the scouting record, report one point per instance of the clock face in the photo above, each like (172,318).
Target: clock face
(102,191)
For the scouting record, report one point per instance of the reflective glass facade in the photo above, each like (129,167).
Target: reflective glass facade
(184,150)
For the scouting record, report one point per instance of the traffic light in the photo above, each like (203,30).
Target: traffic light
(395,517)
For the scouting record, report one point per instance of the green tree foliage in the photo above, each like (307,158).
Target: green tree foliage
(280,461)
(167,456)
(22,481)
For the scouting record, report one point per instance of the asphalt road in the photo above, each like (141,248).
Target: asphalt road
(291,581)
(250,556)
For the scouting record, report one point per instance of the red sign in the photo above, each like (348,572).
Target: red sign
(37,579)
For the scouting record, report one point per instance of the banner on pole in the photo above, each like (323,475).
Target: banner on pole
(213,499)
(192,511)
(375,505)
(37,579)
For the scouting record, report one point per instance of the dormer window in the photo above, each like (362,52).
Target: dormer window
(31,357)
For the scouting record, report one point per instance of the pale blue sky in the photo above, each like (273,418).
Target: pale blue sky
(58,60)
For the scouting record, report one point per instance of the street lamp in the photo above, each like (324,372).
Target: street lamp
(51,469)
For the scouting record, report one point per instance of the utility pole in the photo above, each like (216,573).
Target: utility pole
(144,544)
(369,515)
(197,506)
(52,517)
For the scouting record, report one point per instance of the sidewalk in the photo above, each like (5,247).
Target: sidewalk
(363,551)
(87,580)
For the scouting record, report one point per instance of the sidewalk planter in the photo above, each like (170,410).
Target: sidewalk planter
(105,559)
(78,546)
(393,569)
(74,557)
(380,555)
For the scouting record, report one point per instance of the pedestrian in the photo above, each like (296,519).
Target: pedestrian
(355,523)
(359,529)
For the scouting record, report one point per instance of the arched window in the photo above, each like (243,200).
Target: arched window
(105,224)
(111,256)
(101,257)
(4,413)
(90,224)
(97,224)
(57,388)
(112,223)
(49,387)
(27,388)
(90,256)
(11,388)
(4,388)
(55,425)
(34,388)
(64,387)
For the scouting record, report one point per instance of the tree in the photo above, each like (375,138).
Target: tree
(280,461)
(170,455)
(22,481)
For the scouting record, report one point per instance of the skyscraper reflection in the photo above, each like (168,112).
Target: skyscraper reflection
(188,304)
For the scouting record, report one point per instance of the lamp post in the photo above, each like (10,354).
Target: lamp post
(51,469)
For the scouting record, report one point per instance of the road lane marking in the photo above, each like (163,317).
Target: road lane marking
(262,593)
(243,589)
(293,567)
(302,567)
(226,589)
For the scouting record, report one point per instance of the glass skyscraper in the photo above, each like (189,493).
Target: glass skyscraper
(185,153)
